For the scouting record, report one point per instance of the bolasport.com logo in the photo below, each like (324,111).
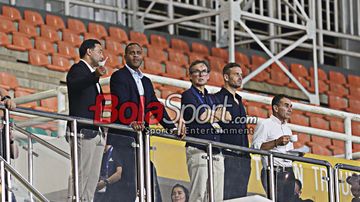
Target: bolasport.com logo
(153,112)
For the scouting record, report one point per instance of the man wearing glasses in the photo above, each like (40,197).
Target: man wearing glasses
(199,111)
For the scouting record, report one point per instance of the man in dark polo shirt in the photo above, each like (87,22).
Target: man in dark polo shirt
(237,164)
(197,105)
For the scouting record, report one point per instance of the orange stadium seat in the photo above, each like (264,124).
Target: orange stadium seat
(59,63)
(139,38)
(33,17)
(76,26)
(54,21)
(158,41)
(113,46)
(355,128)
(299,119)
(335,150)
(4,39)
(354,105)
(8,80)
(216,79)
(179,45)
(66,49)
(220,52)
(199,48)
(278,76)
(20,42)
(321,74)
(337,102)
(354,91)
(178,57)
(195,56)
(337,77)
(173,70)
(97,29)
(7,26)
(152,66)
(168,90)
(27,29)
(257,61)
(257,111)
(157,54)
(303,138)
(38,58)
(319,149)
(11,12)
(49,105)
(113,60)
(118,34)
(216,64)
(336,124)
(323,86)
(71,37)
(242,59)
(43,45)
(354,80)
(298,70)
(89,35)
(49,33)
(317,121)
(338,90)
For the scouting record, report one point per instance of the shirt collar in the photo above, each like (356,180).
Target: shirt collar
(88,65)
(276,120)
(197,90)
(226,92)
(133,72)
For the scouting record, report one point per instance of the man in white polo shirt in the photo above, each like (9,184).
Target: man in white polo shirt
(274,134)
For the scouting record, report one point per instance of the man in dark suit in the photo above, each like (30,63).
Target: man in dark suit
(83,89)
(135,101)
(237,164)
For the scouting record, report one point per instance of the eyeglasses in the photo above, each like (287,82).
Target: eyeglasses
(198,72)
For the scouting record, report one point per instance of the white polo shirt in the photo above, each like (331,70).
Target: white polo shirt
(269,130)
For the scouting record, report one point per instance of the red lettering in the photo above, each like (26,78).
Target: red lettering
(155,115)
(134,112)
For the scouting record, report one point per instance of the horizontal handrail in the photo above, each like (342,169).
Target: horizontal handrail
(23,181)
(347,167)
(43,142)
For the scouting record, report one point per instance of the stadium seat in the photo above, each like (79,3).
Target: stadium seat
(302,80)
(337,77)
(157,54)
(54,21)
(97,29)
(179,45)
(7,26)
(338,90)
(220,52)
(335,150)
(241,58)
(8,81)
(303,138)
(89,35)
(113,46)
(336,124)
(4,39)
(354,91)
(178,57)
(27,29)
(168,90)
(113,60)
(118,34)
(38,58)
(43,45)
(216,64)
(20,42)
(20,93)
(173,70)
(33,17)
(139,38)
(355,128)
(158,41)
(195,56)
(300,119)
(321,74)
(66,49)
(49,33)
(71,37)
(11,12)
(48,105)
(199,48)
(338,144)
(257,61)
(277,76)
(298,70)
(76,26)
(354,105)
(152,66)
(216,79)
(319,122)
(319,150)
(257,111)
(59,63)
(354,81)
(323,86)
(337,102)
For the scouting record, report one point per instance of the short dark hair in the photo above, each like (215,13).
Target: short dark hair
(87,44)
(199,62)
(131,44)
(228,66)
(186,191)
(276,100)
(298,182)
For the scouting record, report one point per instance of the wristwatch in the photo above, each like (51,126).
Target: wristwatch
(106,182)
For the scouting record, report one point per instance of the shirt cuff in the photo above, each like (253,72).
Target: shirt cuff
(257,145)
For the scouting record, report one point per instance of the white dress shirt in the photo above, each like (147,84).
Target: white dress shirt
(269,130)
(137,75)
(92,70)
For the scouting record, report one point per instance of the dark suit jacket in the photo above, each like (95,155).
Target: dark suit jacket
(123,86)
(82,92)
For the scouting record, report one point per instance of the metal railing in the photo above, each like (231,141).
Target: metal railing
(337,168)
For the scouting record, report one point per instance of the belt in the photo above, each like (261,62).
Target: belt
(283,169)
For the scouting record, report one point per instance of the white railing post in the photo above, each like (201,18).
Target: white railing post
(348,142)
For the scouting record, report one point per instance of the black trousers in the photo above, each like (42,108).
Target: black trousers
(284,183)
(236,177)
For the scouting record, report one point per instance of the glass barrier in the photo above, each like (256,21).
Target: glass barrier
(348,183)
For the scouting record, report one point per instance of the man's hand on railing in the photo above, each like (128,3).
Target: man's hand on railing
(137,126)
(8,102)
(181,129)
